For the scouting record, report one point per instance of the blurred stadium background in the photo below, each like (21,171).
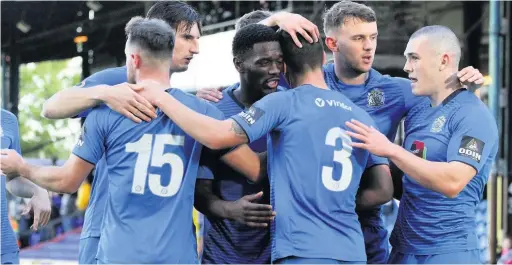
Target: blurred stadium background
(51,45)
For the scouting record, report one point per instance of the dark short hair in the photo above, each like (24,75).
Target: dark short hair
(249,35)
(176,13)
(336,16)
(300,60)
(154,36)
(252,18)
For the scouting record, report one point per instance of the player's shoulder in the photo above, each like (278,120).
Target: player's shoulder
(468,104)
(389,82)
(102,109)
(109,76)
(7,115)
(197,104)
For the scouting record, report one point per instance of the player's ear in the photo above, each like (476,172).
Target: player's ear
(331,43)
(136,60)
(239,65)
(445,61)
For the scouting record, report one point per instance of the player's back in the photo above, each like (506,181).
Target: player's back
(152,169)
(315,174)
(461,129)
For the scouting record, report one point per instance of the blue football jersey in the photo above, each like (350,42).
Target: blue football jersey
(99,187)
(460,129)
(227,241)
(10,135)
(314,172)
(387,100)
(152,169)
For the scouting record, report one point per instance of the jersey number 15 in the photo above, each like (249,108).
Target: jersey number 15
(146,150)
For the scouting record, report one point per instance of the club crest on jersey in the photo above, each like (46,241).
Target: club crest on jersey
(81,138)
(438,124)
(252,115)
(376,98)
(471,147)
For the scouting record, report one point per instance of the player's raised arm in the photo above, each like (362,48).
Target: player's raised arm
(294,24)
(118,95)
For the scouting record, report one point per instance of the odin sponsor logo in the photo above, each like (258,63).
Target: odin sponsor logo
(331,103)
(471,147)
(252,115)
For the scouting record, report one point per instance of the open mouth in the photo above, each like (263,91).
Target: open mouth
(272,83)
(367,59)
(414,80)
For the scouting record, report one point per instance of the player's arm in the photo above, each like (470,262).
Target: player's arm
(78,100)
(62,179)
(217,134)
(376,187)
(448,178)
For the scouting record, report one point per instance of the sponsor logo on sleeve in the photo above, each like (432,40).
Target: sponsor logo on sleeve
(81,138)
(471,147)
(252,115)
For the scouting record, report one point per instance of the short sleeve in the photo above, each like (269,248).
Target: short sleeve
(11,130)
(265,115)
(90,145)
(474,137)
(110,77)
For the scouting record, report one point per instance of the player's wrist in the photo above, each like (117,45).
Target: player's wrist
(99,95)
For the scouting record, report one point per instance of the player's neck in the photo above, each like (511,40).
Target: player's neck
(449,85)
(313,77)
(161,78)
(243,95)
(349,76)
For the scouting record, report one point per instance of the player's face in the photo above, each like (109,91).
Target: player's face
(263,66)
(421,66)
(357,41)
(185,47)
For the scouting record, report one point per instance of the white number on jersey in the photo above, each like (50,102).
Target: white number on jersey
(342,157)
(144,148)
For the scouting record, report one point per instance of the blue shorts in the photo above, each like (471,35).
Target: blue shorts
(10,258)
(376,243)
(298,260)
(463,257)
(87,250)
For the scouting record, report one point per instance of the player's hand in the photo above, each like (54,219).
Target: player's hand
(123,98)
(11,163)
(41,205)
(210,94)
(295,24)
(371,139)
(471,77)
(252,214)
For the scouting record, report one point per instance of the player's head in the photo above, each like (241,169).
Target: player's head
(351,34)
(257,57)
(149,47)
(299,61)
(252,18)
(433,55)
(186,21)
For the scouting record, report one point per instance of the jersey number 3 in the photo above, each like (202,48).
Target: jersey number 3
(342,157)
(144,148)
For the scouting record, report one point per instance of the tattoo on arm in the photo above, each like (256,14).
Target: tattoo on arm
(239,132)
